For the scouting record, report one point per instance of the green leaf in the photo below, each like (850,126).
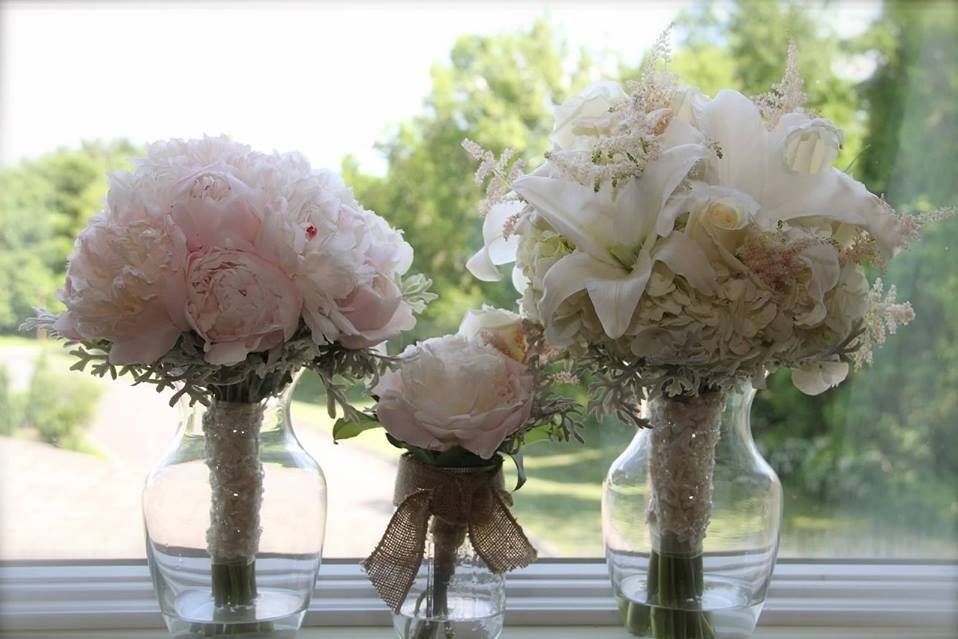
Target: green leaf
(520,471)
(349,428)
(538,434)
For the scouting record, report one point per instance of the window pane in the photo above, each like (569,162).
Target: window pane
(385,93)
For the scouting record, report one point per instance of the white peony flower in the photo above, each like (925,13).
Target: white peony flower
(125,284)
(455,391)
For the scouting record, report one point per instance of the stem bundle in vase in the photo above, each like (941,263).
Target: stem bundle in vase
(685,432)
(236,483)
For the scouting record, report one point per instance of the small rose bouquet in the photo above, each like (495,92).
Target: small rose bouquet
(219,272)
(678,245)
(456,404)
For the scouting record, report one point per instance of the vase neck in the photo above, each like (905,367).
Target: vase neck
(270,415)
(736,422)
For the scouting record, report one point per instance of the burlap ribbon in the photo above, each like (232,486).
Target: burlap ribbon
(472,498)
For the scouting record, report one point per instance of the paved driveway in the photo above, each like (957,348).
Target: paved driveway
(57,504)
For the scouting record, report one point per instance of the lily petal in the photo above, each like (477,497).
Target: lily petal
(653,189)
(685,257)
(734,122)
(583,216)
(615,300)
(497,249)
(481,266)
(836,196)
(614,291)
(568,276)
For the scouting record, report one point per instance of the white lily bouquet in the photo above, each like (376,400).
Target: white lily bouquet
(679,245)
(219,272)
(456,404)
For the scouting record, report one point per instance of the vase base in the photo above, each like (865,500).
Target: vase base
(469,618)
(274,615)
(723,612)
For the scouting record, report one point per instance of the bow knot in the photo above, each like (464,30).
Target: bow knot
(473,500)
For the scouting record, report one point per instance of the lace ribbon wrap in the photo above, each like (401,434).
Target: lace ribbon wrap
(685,431)
(236,480)
(473,499)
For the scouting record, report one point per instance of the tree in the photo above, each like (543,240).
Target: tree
(499,91)
(744,46)
(44,204)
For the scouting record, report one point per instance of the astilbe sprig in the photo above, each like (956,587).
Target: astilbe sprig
(883,317)
(787,96)
(497,174)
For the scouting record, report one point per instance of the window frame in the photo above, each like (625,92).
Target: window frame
(111,595)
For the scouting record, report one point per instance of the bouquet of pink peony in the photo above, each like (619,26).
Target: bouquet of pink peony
(456,404)
(219,272)
(678,246)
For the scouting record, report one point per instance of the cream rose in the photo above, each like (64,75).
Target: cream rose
(586,115)
(239,303)
(455,391)
(499,328)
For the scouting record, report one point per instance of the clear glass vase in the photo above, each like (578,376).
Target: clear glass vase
(691,515)
(455,594)
(235,516)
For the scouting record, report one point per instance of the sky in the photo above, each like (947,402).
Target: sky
(323,78)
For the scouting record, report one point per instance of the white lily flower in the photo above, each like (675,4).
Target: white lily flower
(614,232)
(496,250)
(787,170)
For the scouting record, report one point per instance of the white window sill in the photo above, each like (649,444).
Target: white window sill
(526,632)
(851,600)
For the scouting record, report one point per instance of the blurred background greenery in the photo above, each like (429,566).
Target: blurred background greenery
(870,469)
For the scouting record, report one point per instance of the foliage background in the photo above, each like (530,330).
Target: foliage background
(865,466)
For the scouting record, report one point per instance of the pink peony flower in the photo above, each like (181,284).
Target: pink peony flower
(238,246)
(375,312)
(455,391)
(239,303)
(125,285)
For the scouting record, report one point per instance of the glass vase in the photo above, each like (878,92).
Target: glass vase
(455,594)
(235,516)
(691,515)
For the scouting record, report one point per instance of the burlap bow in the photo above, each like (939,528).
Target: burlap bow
(472,498)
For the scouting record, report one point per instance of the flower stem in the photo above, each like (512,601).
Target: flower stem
(447,538)
(236,482)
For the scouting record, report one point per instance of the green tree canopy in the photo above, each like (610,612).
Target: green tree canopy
(44,204)
(499,91)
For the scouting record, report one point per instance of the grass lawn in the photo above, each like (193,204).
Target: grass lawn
(560,504)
